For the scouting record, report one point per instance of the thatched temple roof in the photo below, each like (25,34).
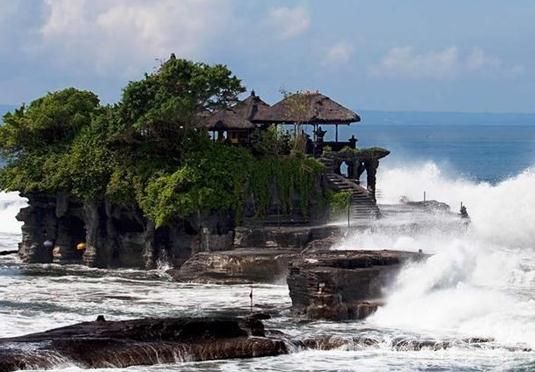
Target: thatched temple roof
(239,116)
(251,107)
(307,108)
(227,119)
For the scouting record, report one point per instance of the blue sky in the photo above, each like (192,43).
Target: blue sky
(424,55)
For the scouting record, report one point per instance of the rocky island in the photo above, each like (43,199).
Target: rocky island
(223,190)
(177,167)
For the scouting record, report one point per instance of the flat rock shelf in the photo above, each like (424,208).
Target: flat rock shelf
(121,344)
(149,341)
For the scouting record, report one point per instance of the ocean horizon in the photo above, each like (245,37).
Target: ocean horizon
(416,117)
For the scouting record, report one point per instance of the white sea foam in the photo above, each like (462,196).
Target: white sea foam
(504,212)
(478,282)
(10,205)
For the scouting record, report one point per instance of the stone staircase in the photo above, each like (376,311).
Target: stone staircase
(362,205)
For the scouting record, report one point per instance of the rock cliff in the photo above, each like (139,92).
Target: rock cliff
(114,235)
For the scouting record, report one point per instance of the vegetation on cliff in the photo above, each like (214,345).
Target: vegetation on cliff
(148,150)
(339,202)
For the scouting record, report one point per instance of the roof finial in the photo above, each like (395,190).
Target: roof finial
(253,94)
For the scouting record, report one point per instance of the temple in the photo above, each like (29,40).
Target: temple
(236,124)
(344,163)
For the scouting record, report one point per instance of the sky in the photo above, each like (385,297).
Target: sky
(410,55)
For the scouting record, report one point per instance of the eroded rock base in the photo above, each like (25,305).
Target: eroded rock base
(341,285)
(238,266)
(121,344)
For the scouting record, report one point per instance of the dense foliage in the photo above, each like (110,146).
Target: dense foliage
(339,202)
(148,150)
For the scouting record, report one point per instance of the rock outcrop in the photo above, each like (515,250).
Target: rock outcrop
(260,265)
(117,235)
(358,342)
(114,235)
(259,255)
(340,285)
(284,237)
(120,344)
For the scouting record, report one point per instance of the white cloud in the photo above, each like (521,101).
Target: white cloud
(339,53)
(479,60)
(289,22)
(516,70)
(406,63)
(123,36)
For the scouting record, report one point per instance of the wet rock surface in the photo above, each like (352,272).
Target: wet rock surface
(326,342)
(7,253)
(122,344)
(236,266)
(340,285)
(268,262)
(283,237)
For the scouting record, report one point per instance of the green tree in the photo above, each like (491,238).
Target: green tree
(49,123)
(214,177)
(161,111)
(149,151)
(35,140)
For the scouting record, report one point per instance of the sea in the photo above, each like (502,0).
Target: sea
(478,283)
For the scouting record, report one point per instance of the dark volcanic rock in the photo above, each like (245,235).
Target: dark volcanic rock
(114,235)
(284,237)
(321,245)
(341,285)
(120,344)
(326,342)
(236,266)
(139,342)
(7,253)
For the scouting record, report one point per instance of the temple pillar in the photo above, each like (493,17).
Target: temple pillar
(371,171)
(350,169)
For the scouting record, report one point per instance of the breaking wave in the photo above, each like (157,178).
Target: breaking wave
(479,281)
(10,205)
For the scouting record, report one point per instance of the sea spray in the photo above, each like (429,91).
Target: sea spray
(477,282)
(10,205)
(503,212)
(163,263)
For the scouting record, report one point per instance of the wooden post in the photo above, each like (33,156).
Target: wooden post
(251,298)
(336,132)
(348,213)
